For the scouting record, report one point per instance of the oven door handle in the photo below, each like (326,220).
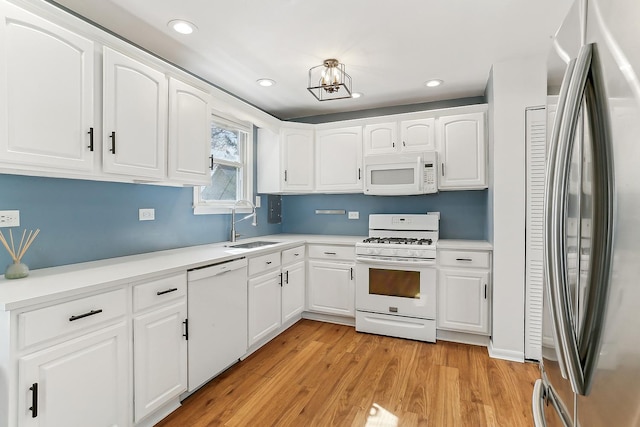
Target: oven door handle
(394,261)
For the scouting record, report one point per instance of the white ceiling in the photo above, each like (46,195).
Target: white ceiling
(390,48)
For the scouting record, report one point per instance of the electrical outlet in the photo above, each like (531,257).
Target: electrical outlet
(9,218)
(258,202)
(146,214)
(354,215)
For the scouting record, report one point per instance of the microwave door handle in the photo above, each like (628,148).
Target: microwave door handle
(603,191)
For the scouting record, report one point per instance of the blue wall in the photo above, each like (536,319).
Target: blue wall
(87,220)
(463,213)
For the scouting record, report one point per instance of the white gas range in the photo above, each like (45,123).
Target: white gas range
(396,277)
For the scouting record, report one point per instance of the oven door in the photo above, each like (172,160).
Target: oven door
(403,288)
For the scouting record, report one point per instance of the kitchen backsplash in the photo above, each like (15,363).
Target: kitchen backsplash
(463,213)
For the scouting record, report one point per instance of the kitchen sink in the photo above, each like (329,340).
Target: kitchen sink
(252,245)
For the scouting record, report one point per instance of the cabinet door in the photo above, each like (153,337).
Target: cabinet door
(46,93)
(159,357)
(418,135)
(135,117)
(297,160)
(339,160)
(293,291)
(462,150)
(264,305)
(381,138)
(82,382)
(189,134)
(463,301)
(331,288)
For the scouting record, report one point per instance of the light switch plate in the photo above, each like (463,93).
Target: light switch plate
(354,215)
(146,214)
(258,202)
(9,219)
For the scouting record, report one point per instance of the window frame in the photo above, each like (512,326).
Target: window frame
(201,207)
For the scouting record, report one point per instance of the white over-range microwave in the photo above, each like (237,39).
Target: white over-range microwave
(401,174)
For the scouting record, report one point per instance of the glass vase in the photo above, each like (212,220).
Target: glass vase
(17,270)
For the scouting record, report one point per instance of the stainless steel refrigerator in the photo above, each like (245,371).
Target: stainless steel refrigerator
(590,372)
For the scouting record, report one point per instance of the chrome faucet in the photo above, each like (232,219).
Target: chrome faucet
(233,217)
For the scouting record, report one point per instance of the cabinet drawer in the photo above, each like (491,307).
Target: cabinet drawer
(332,252)
(159,291)
(263,263)
(62,319)
(464,259)
(293,255)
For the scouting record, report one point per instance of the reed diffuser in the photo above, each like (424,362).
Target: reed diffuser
(18,270)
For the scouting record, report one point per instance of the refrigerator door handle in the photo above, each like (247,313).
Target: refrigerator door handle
(555,227)
(580,353)
(603,191)
(552,253)
(537,402)
(542,397)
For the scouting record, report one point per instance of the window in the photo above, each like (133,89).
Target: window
(232,168)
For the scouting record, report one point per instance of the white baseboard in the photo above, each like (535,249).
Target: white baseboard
(329,318)
(498,353)
(463,338)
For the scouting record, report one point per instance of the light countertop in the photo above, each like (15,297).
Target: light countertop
(49,284)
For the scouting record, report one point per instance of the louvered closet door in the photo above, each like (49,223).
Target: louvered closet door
(536,128)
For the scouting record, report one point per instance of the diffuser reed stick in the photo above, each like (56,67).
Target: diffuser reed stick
(22,247)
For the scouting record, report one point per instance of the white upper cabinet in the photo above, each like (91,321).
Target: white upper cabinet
(417,135)
(297,159)
(339,160)
(135,117)
(46,94)
(381,138)
(285,161)
(401,136)
(462,151)
(189,133)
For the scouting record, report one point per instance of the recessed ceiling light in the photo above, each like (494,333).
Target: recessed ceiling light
(433,83)
(181,26)
(265,82)
(356,95)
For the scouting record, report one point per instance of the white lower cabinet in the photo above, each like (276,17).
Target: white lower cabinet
(331,278)
(331,288)
(293,283)
(464,292)
(264,305)
(81,382)
(159,344)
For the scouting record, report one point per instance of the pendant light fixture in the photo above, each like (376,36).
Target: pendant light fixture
(329,81)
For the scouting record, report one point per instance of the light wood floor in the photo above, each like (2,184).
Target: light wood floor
(321,374)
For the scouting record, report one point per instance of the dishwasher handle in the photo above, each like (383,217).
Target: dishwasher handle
(216,269)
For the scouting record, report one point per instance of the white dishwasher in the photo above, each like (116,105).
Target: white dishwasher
(217,312)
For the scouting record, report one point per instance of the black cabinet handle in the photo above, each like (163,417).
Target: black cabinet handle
(211,162)
(82,316)
(351,270)
(90,139)
(464,259)
(485,291)
(167,291)
(34,400)
(359,174)
(285,175)
(268,262)
(443,169)
(393,144)
(185,334)
(330,253)
(286,277)
(113,142)
(403,144)
(280,277)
